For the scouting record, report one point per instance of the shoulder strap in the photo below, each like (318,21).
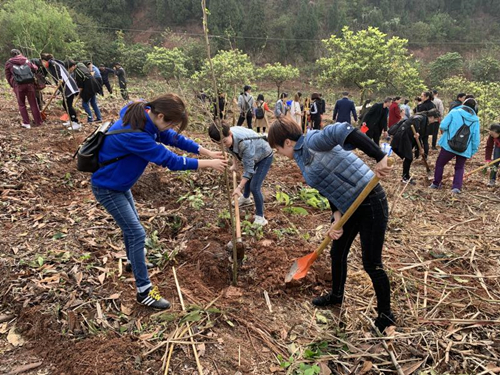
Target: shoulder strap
(121,131)
(252,138)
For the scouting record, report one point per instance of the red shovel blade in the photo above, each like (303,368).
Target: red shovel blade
(301,266)
(64,117)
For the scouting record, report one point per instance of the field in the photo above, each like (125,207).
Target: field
(68,305)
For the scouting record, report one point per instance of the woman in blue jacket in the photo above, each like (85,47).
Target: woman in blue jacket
(153,123)
(464,114)
(327,165)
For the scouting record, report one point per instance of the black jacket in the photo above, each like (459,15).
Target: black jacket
(57,71)
(455,104)
(376,119)
(426,106)
(403,142)
(87,82)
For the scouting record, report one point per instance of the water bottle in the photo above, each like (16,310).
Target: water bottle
(386,147)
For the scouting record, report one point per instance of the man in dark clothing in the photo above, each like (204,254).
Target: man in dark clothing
(105,72)
(343,109)
(460,100)
(376,120)
(20,74)
(321,106)
(122,80)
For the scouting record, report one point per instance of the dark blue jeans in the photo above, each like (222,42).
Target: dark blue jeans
(496,155)
(86,106)
(254,186)
(120,205)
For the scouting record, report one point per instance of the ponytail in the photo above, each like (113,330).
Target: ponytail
(136,115)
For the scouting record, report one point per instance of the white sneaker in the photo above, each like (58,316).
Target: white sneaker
(26,126)
(259,220)
(242,201)
(67,123)
(76,126)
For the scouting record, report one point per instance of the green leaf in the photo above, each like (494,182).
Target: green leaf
(58,236)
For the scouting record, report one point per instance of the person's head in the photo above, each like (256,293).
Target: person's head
(427,95)
(14,52)
(116,65)
(345,94)
(471,103)
(495,130)
(70,65)
(435,93)
(432,115)
(283,96)
(396,99)
(469,96)
(299,94)
(46,57)
(260,97)
(387,102)
(407,101)
(315,96)
(247,89)
(283,134)
(167,112)
(297,97)
(461,96)
(215,134)
(88,64)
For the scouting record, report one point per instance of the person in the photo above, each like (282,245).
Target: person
(376,120)
(222,105)
(340,176)
(394,111)
(40,81)
(440,107)
(426,105)
(254,152)
(343,109)
(321,106)
(295,110)
(406,108)
(69,88)
(154,123)
(245,105)
(459,101)
(459,116)
(305,117)
(363,111)
(280,109)
(260,114)
(96,74)
(105,72)
(89,88)
(315,112)
(20,74)
(404,141)
(417,102)
(122,80)
(492,151)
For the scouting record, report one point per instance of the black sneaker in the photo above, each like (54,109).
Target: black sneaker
(385,320)
(327,300)
(408,181)
(128,266)
(153,299)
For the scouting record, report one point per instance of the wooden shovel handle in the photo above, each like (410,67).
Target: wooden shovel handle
(236,209)
(52,96)
(421,149)
(482,167)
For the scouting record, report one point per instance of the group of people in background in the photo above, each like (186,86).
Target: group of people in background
(73,80)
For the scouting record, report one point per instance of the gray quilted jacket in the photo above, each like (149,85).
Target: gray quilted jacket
(327,165)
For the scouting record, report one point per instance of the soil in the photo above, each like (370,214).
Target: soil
(73,304)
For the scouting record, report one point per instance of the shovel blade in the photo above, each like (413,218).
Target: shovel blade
(64,117)
(300,267)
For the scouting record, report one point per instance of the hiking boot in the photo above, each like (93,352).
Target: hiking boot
(491,183)
(456,191)
(242,201)
(26,126)
(385,320)
(408,181)
(327,300)
(434,148)
(434,186)
(128,266)
(153,299)
(259,220)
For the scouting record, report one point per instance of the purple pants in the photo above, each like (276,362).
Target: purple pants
(22,92)
(443,159)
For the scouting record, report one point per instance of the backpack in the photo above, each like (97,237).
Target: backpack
(259,112)
(23,74)
(461,139)
(87,155)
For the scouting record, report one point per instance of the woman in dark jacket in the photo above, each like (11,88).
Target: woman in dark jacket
(89,88)
(376,119)
(404,142)
(426,105)
(315,111)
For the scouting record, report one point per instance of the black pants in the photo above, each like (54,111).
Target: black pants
(406,168)
(108,86)
(316,120)
(425,144)
(123,90)
(248,117)
(435,131)
(376,137)
(370,221)
(68,107)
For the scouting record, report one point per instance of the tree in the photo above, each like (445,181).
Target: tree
(369,60)
(35,26)
(278,74)
(170,63)
(486,69)
(131,56)
(445,66)
(231,68)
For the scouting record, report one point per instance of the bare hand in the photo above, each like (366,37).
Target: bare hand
(382,170)
(417,136)
(335,234)
(237,192)
(216,155)
(217,164)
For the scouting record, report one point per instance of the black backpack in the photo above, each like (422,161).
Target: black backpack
(23,74)
(87,155)
(259,112)
(460,140)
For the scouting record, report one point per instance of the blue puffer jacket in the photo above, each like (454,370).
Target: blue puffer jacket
(454,121)
(328,166)
(144,147)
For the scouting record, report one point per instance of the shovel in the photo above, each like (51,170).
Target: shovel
(65,116)
(240,247)
(43,114)
(301,266)
(482,167)
(421,150)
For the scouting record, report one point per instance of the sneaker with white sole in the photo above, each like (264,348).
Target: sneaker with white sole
(67,123)
(153,299)
(456,191)
(75,126)
(259,220)
(491,183)
(242,201)
(26,126)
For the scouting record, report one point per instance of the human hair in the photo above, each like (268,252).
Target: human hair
(396,98)
(345,93)
(387,100)
(461,95)
(435,92)
(14,52)
(495,128)
(469,96)
(418,99)
(471,103)
(297,97)
(282,129)
(46,56)
(69,63)
(170,105)
(260,97)
(431,113)
(299,94)
(283,95)
(214,133)
(246,88)
(428,94)
(315,96)
(407,101)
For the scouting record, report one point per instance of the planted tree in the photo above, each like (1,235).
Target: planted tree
(369,60)
(446,66)
(278,73)
(170,63)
